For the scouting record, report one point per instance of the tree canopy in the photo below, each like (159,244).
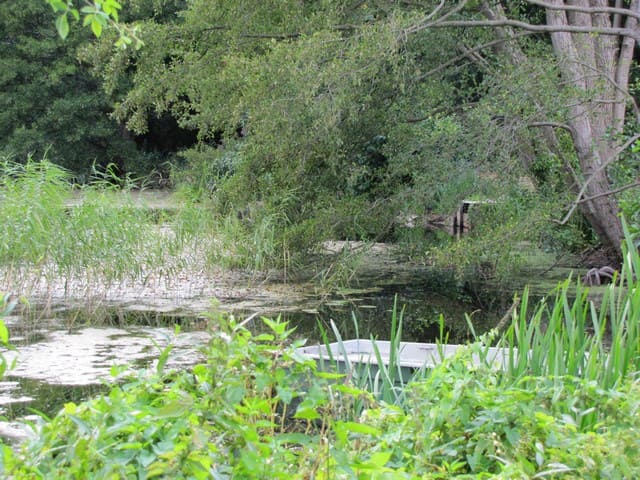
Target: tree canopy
(338,115)
(51,104)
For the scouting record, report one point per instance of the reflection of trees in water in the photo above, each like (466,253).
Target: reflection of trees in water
(48,399)
(421,317)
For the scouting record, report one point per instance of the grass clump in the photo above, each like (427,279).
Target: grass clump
(53,229)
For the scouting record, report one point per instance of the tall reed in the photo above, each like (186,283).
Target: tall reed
(577,336)
(53,230)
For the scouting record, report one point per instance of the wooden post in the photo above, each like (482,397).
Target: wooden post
(459,222)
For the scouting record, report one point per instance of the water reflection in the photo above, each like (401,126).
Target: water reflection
(60,360)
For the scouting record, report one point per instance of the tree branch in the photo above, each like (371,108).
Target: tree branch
(579,198)
(484,46)
(563,126)
(626,32)
(573,8)
(611,192)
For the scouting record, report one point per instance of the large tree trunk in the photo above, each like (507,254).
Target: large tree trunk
(597,68)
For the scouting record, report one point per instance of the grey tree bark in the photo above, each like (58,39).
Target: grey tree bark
(593,41)
(597,67)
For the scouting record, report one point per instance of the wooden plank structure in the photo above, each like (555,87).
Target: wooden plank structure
(461,222)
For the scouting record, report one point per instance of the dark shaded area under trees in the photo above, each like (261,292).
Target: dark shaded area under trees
(52,106)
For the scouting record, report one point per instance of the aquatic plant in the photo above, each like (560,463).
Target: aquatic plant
(46,230)
(7,304)
(256,409)
(576,334)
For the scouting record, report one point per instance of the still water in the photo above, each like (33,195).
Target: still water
(61,354)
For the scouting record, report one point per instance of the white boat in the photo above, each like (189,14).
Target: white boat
(412,356)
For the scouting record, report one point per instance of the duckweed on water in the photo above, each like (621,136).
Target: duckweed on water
(255,409)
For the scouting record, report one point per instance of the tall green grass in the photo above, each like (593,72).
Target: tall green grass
(53,230)
(579,334)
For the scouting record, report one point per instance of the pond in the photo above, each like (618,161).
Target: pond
(63,355)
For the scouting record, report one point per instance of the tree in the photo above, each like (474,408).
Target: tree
(593,43)
(50,104)
(312,84)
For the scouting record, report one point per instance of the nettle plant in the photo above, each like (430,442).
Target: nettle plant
(255,409)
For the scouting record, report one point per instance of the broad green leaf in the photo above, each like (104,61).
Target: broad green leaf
(175,408)
(285,394)
(145,457)
(58,5)
(62,25)
(362,428)
(96,28)
(296,438)
(111,7)
(307,413)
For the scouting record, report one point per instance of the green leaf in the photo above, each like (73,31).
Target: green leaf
(145,457)
(361,428)
(331,375)
(297,438)
(111,7)
(62,25)
(380,459)
(4,333)
(306,413)
(58,5)
(96,28)
(175,408)
(285,394)
(164,355)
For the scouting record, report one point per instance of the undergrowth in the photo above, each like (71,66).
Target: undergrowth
(564,403)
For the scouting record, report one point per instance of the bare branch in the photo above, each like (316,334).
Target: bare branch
(563,126)
(626,32)
(426,19)
(623,91)
(580,9)
(484,46)
(611,192)
(612,159)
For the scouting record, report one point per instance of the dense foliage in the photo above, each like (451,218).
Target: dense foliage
(257,409)
(49,103)
(332,119)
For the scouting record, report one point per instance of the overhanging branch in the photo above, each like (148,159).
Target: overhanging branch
(626,32)
(574,8)
(563,126)
(611,192)
(579,198)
